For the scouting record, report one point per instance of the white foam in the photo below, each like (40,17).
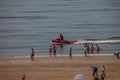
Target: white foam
(96,41)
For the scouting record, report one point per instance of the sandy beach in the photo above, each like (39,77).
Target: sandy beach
(58,68)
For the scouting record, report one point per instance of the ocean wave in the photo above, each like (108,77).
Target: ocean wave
(114,38)
(105,9)
(23,17)
(97,41)
(42,11)
(97,24)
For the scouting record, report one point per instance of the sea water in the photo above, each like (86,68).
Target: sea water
(30,24)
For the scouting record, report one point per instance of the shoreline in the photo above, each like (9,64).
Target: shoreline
(62,55)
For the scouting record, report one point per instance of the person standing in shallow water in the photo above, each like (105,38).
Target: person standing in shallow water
(97,48)
(50,51)
(88,48)
(70,53)
(85,50)
(92,49)
(32,54)
(54,48)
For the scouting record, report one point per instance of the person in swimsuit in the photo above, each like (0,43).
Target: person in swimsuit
(54,48)
(102,76)
(50,51)
(85,50)
(32,54)
(92,49)
(96,77)
(70,53)
(97,48)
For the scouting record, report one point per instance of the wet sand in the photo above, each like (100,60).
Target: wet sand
(58,68)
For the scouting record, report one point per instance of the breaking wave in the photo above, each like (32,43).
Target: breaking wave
(98,41)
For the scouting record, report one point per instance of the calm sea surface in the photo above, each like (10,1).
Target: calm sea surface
(26,24)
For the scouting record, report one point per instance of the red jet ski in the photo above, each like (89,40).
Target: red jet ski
(58,41)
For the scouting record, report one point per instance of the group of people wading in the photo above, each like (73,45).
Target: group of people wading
(52,48)
(90,49)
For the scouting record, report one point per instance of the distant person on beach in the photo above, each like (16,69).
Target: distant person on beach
(97,48)
(50,51)
(102,76)
(95,73)
(61,37)
(96,76)
(94,69)
(32,54)
(70,53)
(117,55)
(103,68)
(92,49)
